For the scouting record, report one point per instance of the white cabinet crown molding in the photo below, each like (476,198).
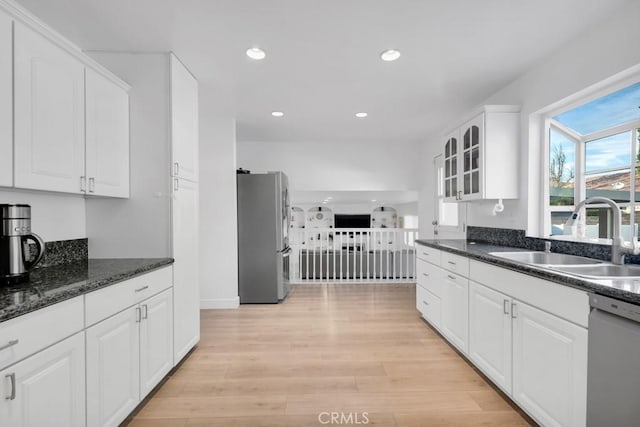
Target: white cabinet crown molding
(488,108)
(21,14)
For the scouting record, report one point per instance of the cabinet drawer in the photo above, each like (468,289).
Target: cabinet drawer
(455,263)
(431,306)
(39,329)
(429,254)
(108,301)
(429,276)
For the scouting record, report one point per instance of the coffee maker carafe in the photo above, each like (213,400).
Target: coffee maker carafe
(15,255)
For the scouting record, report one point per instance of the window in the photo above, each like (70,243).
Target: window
(447,215)
(593,151)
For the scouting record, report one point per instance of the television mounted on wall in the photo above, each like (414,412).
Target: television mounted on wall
(352,221)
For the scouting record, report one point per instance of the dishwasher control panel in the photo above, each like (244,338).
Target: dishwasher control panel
(619,308)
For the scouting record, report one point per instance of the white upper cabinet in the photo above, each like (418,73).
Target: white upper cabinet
(49,115)
(481,156)
(107,137)
(184,122)
(6,106)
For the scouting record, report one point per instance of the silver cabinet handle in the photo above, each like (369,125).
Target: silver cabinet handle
(83,183)
(92,185)
(145,311)
(451,262)
(138,315)
(425,274)
(176,184)
(424,302)
(451,277)
(514,313)
(9,344)
(176,169)
(12,379)
(505,306)
(425,253)
(142,288)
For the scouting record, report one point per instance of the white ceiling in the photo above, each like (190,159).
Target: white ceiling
(322,62)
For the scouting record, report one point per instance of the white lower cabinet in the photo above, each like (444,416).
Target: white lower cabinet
(455,310)
(549,367)
(156,340)
(113,368)
(490,333)
(46,389)
(127,355)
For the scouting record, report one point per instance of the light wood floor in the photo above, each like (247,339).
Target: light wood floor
(328,348)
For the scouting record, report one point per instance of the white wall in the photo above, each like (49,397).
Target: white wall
(337,166)
(138,227)
(607,48)
(218,215)
(55,216)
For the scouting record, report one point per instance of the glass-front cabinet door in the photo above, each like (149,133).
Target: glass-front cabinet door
(451,166)
(471,151)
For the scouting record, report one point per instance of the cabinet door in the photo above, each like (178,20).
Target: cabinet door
(107,123)
(451,167)
(184,122)
(455,310)
(549,367)
(49,115)
(6,103)
(47,388)
(186,303)
(156,340)
(471,173)
(490,333)
(113,368)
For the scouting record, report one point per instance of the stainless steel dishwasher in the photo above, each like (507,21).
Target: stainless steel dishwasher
(613,382)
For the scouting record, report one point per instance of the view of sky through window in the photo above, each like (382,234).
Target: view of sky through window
(611,110)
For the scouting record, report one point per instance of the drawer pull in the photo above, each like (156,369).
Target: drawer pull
(505,306)
(12,379)
(9,344)
(142,288)
(424,302)
(425,253)
(425,274)
(451,262)
(451,277)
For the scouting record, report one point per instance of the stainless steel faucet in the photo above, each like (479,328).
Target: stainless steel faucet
(618,248)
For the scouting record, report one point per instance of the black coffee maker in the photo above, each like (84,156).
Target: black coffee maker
(15,255)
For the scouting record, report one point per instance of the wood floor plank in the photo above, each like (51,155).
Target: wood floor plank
(347,349)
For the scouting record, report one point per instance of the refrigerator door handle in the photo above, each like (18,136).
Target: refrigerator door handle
(286,251)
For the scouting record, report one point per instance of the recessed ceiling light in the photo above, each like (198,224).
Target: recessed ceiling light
(324,202)
(374,200)
(277,113)
(390,55)
(329,198)
(361,115)
(256,53)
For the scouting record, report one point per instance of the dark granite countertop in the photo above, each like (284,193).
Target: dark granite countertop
(50,285)
(624,289)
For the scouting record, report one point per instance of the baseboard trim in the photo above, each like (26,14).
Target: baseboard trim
(219,303)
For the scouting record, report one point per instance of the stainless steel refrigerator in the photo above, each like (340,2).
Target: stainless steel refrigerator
(263,237)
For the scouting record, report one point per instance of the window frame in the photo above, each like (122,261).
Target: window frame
(580,174)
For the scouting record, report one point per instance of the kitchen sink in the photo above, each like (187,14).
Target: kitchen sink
(545,258)
(599,271)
